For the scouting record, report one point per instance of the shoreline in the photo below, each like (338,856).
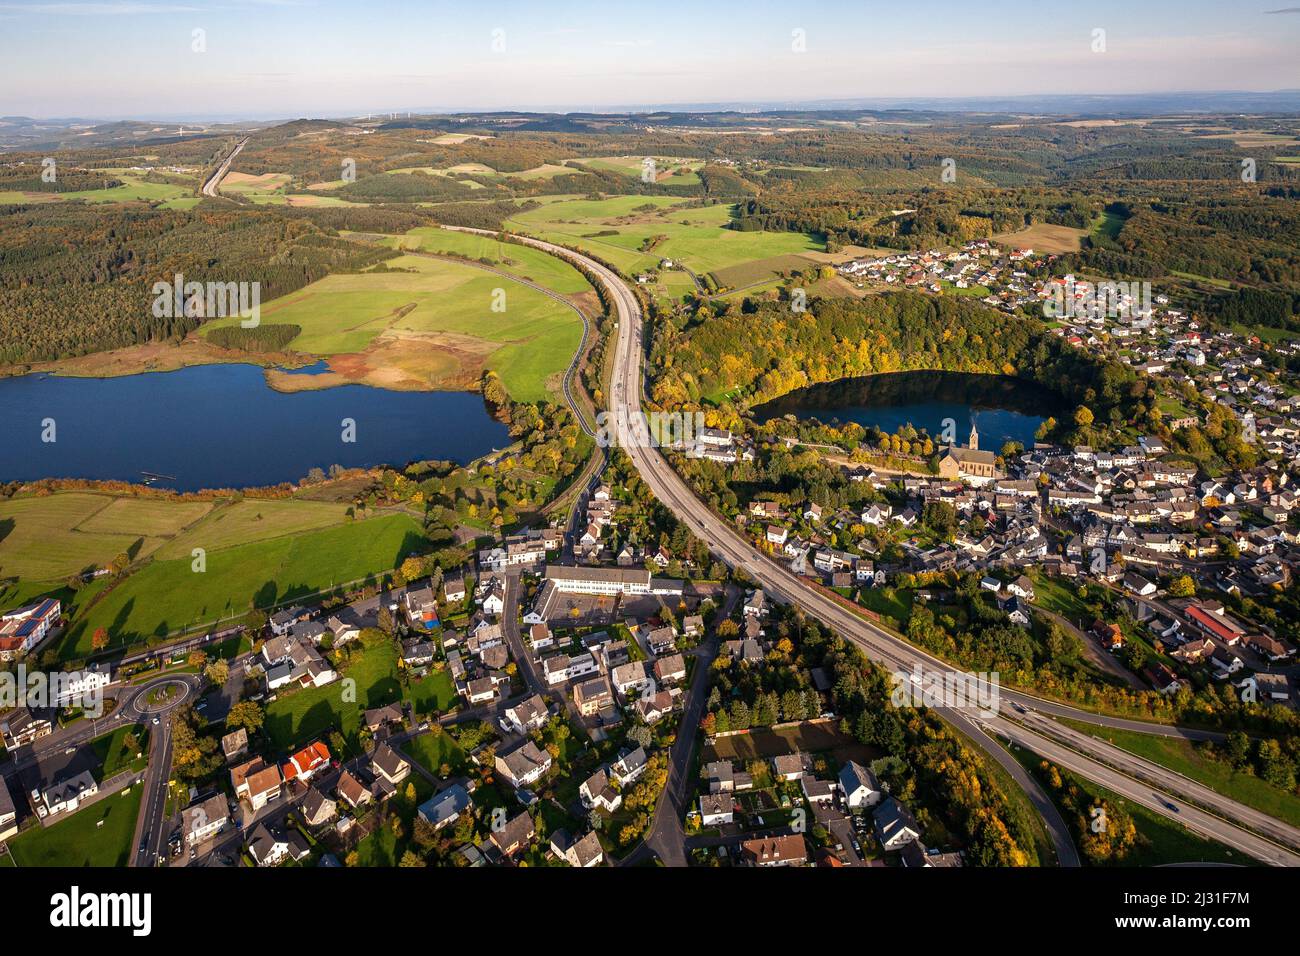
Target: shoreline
(279,369)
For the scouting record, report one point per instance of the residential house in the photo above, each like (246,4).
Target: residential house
(895,825)
(271,847)
(203,820)
(22,725)
(629,766)
(859,786)
(788,850)
(527,715)
(306,762)
(790,766)
(445,806)
(256,782)
(670,669)
(592,696)
(235,744)
(581,853)
(819,793)
(632,678)
(67,794)
(318,809)
(524,764)
(597,791)
(351,790)
(716,809)
(515,835)
(390,765)
(8,813)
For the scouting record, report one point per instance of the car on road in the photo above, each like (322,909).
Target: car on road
(155,720)
(70,750)
(1019,708)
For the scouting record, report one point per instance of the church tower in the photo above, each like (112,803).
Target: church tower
(974,437)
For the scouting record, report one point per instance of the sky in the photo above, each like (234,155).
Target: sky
(259,59)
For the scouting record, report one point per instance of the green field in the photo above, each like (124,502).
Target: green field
(1108,224)
(52,537)
(133,189)
(251,519)
(695,237)
(79,841)
(522,261)
(445,307)
(168,595)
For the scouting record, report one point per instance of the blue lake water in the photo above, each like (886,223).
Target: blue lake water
(222,426)
(1003,409)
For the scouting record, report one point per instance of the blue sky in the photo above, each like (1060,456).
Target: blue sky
(120,58)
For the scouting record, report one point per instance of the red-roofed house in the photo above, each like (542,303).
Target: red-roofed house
(24,628)
(1223,628)
(306,762)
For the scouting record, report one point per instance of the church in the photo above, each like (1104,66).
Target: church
(977,467)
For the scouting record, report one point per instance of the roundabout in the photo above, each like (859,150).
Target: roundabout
(161,696)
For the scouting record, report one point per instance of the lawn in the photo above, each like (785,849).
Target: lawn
(432,752)
(382,847)
(889,602)
(167,595)
(615,229)
(432,694)
(1182,757)
(450,316)
(113,755)
(79,840)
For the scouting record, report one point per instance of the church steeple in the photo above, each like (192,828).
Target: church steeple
(974,438)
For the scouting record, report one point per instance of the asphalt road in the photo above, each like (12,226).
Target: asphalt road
(213,185)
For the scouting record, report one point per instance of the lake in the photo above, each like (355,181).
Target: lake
(1002,408)
(222,426)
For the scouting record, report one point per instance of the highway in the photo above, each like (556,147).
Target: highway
(212,187)
(779,583)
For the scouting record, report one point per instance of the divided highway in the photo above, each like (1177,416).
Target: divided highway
(898,655)
(213,185)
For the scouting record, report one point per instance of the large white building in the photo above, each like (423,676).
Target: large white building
(609,581)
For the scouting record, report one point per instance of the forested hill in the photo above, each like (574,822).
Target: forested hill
(76,279)
(768,350)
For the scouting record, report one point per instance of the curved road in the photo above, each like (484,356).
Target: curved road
(212,187)
(881,646)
